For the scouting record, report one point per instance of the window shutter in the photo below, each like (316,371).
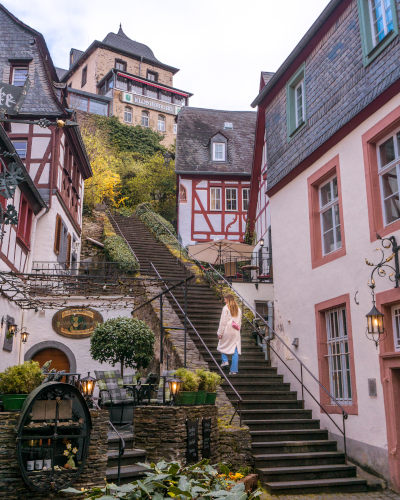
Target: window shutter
(57,238)
(68,251)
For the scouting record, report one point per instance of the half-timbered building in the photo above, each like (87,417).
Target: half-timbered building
(214,154)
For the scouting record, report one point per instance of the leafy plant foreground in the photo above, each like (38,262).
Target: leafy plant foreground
(201,481)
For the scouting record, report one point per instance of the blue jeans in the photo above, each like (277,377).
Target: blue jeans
(235,360)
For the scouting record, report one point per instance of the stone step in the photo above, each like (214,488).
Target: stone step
(262,404)
(336,485)
(129,473)
(308,472)
(130,457)
(269,460)
(274,414)
(282,424)
(267,395)
(284,447)
(261,436)
(255,387)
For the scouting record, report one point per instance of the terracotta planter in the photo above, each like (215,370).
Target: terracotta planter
(186,398)
(201,397)
(13,402)
(211,397)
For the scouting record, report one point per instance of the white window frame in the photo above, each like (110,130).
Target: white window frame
(228,126)
(382,169)
(127,111)
(16,68)
(296,107)
(161,123)
(19,149)
(231,199)
(175,128)
(325,208)
(375,40)
(396,326)
(145,116)
(217,201)
(223,151)
(248,199)
(339,355)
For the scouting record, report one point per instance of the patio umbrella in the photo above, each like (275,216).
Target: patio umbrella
(220,251)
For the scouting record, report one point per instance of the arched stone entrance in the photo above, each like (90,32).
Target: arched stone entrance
(62,357)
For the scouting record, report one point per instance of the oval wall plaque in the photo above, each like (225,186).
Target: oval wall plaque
(76,322)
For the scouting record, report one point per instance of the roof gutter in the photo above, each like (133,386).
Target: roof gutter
(327,12)
(207,172)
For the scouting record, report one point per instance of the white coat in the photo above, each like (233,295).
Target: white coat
(230,339)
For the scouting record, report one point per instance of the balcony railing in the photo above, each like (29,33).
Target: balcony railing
(248,267)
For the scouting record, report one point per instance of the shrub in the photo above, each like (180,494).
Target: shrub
(117,250)
(202,374)
(166,480)
(213,381)
(128,341)
(190,381)
(21,379)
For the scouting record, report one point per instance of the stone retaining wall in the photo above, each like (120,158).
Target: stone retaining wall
(162,431)
(13,487)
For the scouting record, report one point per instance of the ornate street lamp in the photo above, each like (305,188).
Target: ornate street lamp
(174,387)
(262,242)
(87,385)
(167,158)
(12,328)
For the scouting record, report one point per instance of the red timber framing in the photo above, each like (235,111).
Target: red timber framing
(58,169)
(226,222)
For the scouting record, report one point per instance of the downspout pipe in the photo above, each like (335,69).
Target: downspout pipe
(33,237)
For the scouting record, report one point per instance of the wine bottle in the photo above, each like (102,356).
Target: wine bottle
(47,457)
(30,465)
(39,459)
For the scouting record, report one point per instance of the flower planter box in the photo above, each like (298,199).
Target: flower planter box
(201,397)
(211,397)
(13,402)
(186,398)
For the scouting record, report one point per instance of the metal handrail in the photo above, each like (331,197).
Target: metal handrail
(126,241)
(302,365)
(121,445)
(239,402)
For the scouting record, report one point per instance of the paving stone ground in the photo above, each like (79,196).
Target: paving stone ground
(376,495)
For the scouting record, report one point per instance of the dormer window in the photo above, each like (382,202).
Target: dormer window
(19,75)
(219,151)
(228,126)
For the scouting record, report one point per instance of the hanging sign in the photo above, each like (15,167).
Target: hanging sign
(192,440)
(75,322)
(12,97)
(206,438)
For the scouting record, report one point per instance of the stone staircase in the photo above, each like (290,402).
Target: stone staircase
(292,454)
(130,470)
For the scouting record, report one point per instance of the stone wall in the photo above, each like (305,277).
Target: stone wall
(235,448)
(92,227)
(13,487)
(162,431)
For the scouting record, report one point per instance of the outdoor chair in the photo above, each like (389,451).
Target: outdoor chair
(147,388)
(230,270)
(115,397)
(159,400)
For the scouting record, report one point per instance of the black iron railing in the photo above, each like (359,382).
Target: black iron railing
(84,269)
(216,278)
(248,267)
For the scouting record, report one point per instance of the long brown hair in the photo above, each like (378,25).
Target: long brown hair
(232,306)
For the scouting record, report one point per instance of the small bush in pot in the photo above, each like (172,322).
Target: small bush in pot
(201,394)
(190,384)
(16,382)
(213,381)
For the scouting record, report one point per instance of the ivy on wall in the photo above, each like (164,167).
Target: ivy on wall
(117,250)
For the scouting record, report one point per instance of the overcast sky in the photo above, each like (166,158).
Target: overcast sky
(220,46)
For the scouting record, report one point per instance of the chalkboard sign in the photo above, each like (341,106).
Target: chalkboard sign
(193,440)
(206,438)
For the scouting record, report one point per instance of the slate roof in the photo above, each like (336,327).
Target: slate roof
(76,55)
(60,72)
(197,126)
(266,76)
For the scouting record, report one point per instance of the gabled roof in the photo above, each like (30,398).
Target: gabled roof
(76,55)
(121,44)
(265,78)
(60,72)
(196,128)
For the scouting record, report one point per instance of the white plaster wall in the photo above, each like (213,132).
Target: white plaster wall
(298,288)
(185,214)
(249,292)
(41,330)
(45,233)
(9,308)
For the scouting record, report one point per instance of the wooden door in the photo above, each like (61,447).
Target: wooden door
(59,360)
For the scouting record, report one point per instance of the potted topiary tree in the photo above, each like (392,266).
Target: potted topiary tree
(201,394)
(16,382)
(127,341)
(213,381)
(188,390)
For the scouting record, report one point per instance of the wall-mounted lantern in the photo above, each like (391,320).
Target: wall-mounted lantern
(174,387)
(167,158)
(262,242)
(87,385)
(24,335)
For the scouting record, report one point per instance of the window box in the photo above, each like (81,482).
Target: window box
(378,26)
(296,103)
